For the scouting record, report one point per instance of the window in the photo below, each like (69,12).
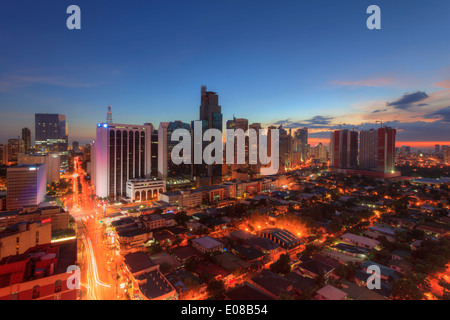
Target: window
(57,286)
(36,292)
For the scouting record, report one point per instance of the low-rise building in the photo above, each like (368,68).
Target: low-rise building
(207,244)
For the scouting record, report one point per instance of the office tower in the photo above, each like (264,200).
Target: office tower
(447,155)
(51,161)
(255,169)
(286,144)
(26,186)
(154,153)
(300,143)
(121,152)
(344,149)
(26,137)
(15,146)
(52,136)
(386,150)
(238,123)
(211,115)
(75,147)
(320,152)
(437,149)
(3,154)
(173,174)
(404,150)
(368,149)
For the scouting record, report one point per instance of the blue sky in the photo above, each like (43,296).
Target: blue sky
(295,63)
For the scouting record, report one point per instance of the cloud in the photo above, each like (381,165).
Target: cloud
(377,111)
(443,84)
(443,114)
(377,82)
(318,122)
(8,83)
(408,100)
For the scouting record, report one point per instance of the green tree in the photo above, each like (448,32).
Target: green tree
(215,288)
(281,266)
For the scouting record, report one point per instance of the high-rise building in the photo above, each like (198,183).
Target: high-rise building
(368,149)
(26,186)
(386,150)
(121,152)
(26,137)
(235,124)
(344,149)
(437,149)
(447,156)
(75,147)
(52,136)
(211,116)
(319,152)
(173,174)
(51,161)
(3,154)
(15,146)
(255,169)
(154,153)
(286,145)
(300,143)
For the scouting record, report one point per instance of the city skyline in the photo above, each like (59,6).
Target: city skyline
(262,71)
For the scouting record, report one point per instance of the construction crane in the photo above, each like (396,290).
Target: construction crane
(381,123)
(341,124)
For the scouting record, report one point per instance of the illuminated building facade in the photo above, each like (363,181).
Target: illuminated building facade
(26,185)
(121,152)
(52,136)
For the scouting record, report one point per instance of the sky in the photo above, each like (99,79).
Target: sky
(299,63)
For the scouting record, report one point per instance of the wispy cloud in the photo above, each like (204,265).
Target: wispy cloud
(376,82)
(8,83)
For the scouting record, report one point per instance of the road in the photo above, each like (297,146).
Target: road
(97,278)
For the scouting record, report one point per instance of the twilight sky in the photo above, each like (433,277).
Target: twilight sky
(298,63)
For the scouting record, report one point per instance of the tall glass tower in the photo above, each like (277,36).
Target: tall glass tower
(51,135)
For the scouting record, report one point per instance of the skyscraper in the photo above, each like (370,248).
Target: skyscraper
(15,146)
(238,123)
(26,185)
(344,149)
(286,144)
(300,143)
(368,149)
(52,136)
(3,154)
(173,174)
(386,150)
(211,115)
(121,152)
(26,137)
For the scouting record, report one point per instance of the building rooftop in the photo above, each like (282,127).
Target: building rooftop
(208,242)
(138,261)
(332,293)
(246,291)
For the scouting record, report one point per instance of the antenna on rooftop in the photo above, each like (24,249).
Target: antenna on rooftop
(109,115)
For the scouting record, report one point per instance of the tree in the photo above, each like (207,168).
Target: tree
(285,296)
(215,288)
(181,218)
(282,266)
(406,289)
